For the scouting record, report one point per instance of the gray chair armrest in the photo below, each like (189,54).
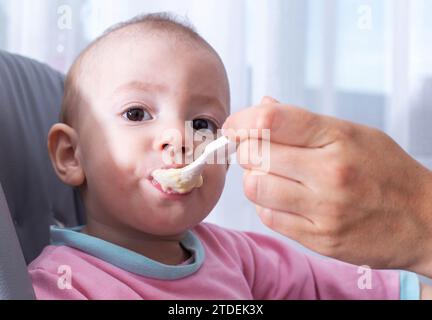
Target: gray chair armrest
(14,279)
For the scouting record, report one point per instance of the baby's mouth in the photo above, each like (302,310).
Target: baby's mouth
(170,181)
(167,190)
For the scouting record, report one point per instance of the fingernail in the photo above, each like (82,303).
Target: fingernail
(268,100)
(265,215)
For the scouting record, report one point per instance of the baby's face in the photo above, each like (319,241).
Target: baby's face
(139,94)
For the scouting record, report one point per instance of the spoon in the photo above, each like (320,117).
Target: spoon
(184,179)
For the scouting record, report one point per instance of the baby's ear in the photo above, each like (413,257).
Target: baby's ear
(63,151)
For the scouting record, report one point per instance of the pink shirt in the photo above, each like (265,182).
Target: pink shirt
(225,265)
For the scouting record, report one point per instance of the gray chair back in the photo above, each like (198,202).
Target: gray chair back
(30,98)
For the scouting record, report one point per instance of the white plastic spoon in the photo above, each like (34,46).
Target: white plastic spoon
(185,179)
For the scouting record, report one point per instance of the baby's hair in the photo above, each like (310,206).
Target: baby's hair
(162,22)
(159,21)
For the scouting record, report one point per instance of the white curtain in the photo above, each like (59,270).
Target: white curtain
(369,61)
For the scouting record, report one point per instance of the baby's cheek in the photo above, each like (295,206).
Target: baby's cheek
(115,163)
(124,163)
(214,178)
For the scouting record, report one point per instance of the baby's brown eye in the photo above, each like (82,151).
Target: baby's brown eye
(204,124)
(137,114)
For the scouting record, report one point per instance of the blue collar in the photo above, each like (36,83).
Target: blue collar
(127,259)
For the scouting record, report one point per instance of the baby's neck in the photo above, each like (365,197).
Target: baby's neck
(166,250)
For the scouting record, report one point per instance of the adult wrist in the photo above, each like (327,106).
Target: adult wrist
(422,264)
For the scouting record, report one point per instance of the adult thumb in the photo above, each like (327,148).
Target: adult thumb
(268,100)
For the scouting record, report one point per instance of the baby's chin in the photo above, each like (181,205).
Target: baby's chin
(167,222)
(164,214)
(168,210)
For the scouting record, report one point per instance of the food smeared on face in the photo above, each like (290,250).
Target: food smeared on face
(172,180)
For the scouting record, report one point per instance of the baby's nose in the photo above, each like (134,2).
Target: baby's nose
(178,154)
(167,146)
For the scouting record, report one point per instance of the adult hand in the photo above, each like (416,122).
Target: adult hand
(341,189)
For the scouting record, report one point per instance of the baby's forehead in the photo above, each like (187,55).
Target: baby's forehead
(94,66)
(121,44)
(152,62)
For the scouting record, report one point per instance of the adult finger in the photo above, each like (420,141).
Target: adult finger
(278,193)
(294,163)
(287,125)
(291,225)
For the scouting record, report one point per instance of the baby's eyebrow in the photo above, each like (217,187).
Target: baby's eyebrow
(144,86)
(209,101)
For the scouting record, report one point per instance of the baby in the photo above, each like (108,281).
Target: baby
(125,95)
